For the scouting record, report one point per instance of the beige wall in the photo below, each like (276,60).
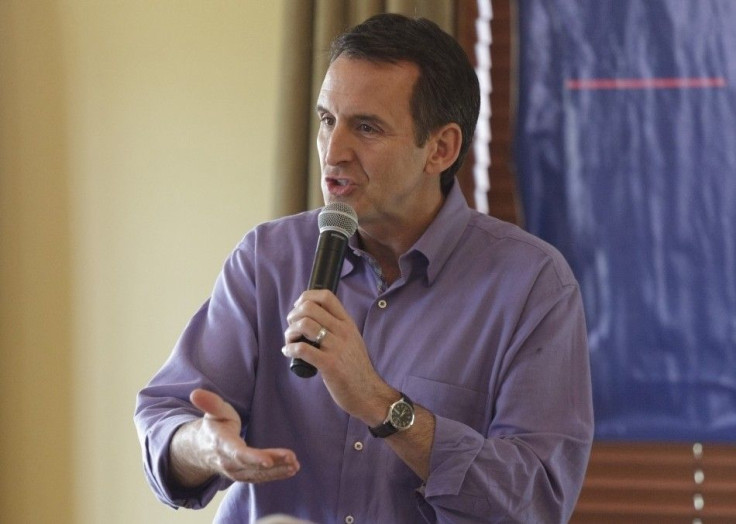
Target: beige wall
(136,148)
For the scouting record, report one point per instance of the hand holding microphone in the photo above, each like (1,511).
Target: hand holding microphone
(337,223)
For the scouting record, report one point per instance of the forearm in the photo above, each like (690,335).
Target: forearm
(414,446)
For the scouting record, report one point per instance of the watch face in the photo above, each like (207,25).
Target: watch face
(402,415)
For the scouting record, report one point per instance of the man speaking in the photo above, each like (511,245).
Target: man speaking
(452,383)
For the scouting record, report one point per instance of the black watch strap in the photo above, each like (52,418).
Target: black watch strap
(387,428)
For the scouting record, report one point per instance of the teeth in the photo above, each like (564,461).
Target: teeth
(342,182)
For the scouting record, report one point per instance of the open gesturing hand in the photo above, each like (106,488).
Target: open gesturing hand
(212,446)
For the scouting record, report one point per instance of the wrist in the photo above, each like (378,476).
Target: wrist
(185,470)
(400,416)
(378,406)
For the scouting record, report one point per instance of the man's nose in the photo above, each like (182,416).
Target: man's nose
(338,145)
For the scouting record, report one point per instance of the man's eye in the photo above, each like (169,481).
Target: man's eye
(366,128)
(327,120)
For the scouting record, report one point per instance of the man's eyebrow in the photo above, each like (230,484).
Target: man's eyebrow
(370,118)
(367,117)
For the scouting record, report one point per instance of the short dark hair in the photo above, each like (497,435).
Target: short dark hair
(447,88)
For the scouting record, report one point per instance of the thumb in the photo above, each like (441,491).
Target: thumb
(213,405)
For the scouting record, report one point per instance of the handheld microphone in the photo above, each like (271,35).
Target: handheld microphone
(337,223)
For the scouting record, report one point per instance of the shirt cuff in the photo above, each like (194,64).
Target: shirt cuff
(157,465)
(454,450)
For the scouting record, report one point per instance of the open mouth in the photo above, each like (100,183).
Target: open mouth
(334,181)
(339,186)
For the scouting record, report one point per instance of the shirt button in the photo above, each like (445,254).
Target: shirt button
(358,446)
(349,519)
(382,304)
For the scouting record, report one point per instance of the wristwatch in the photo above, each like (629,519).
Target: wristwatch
(400,417)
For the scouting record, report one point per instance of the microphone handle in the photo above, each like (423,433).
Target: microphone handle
(326,269)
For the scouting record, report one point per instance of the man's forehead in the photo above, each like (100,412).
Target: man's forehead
(361,69)
(361,80)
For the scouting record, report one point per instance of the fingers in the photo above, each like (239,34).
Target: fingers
(316,315)
(309,329)
(314,300)
(303,351)
(311,319)
(260,465)
(243,463)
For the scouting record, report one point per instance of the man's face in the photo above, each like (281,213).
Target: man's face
(366,143)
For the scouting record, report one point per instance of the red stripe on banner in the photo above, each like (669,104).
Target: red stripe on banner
(645,83)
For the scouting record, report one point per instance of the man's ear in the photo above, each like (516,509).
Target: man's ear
(444,148)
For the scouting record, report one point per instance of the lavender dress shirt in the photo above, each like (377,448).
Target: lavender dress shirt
(485,328)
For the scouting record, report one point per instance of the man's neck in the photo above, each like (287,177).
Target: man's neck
(388,244)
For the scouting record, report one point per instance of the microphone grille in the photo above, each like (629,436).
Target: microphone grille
(338,216)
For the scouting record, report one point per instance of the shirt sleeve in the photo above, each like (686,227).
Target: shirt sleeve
(530,464)
(217,351)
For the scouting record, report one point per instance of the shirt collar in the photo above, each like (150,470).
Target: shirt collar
(443,234)
(437,242)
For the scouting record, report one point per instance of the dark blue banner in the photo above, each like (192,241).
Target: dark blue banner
(626,155)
